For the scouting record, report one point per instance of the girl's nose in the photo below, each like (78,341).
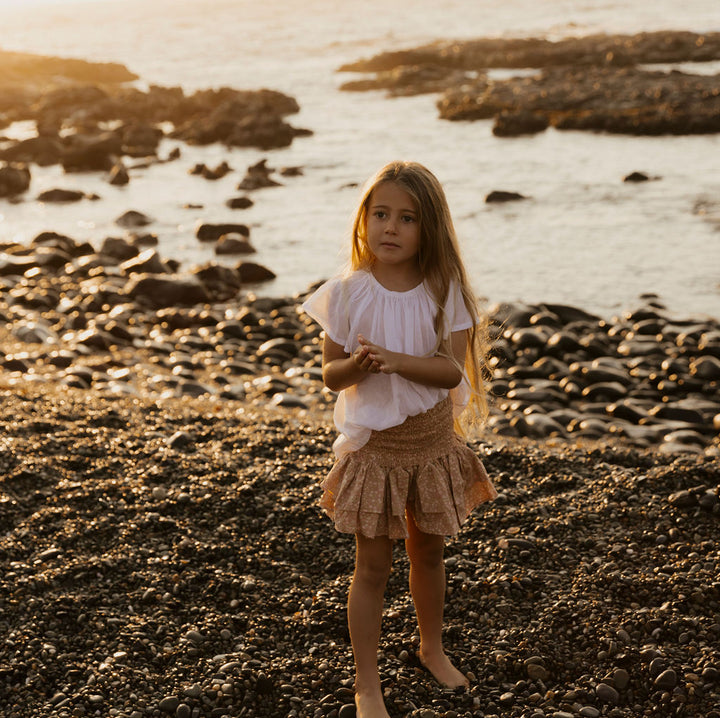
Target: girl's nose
(391,226)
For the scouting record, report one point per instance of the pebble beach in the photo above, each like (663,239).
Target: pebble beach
(167,558)
(165,429)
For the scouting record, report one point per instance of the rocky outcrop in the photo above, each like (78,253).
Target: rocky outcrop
(82,107)
(591,83)
(625,100)
(485,53)
(21,69)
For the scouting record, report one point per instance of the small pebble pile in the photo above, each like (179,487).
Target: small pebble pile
(166,558)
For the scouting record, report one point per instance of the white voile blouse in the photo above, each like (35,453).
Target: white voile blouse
(346,306)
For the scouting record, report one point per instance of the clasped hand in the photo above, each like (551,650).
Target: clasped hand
(375,359)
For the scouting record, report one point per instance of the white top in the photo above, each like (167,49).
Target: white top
(346,306)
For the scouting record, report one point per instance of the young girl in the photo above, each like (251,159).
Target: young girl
(401,348)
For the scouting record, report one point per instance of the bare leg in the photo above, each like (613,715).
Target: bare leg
(427,586)
(365,605)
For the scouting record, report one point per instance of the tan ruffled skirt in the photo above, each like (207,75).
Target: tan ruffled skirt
(420,465)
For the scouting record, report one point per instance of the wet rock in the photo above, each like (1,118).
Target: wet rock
(258,176)
(119,175)
(252,273)
(147,262)
(213,232)
(706,368)
(412,79)
(636,177)
(166,291)
(594,82)
(14,179)
(514,123)
(221,282)
(214,173)
(61,195)
(87,153)
(140,139)
(503,196)
(132,219)
(234,243)
(43,151)
(239,202)
(241,119)
(119,248)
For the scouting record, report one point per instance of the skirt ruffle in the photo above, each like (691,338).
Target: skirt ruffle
(420,465)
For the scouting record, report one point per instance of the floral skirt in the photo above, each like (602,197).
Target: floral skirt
(420,465)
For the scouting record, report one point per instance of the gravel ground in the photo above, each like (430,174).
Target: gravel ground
(167,558)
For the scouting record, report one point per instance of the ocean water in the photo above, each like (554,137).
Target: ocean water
(584,237)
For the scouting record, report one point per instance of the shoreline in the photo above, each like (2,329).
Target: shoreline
(125,321)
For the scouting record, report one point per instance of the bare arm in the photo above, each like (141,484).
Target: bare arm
(341,370)
(434,371)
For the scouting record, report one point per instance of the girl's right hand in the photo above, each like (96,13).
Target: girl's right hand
(363,360)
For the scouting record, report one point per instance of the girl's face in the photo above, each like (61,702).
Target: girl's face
(393,226)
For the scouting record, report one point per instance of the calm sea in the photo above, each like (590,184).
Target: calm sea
(584,237)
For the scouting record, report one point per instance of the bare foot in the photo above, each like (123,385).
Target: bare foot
(370,704)
(443,670)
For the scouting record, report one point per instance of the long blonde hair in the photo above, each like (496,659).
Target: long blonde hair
(440,264)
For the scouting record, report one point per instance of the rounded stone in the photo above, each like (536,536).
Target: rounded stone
(667,679)
(607,694)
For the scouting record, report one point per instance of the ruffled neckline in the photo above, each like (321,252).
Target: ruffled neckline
(391,292)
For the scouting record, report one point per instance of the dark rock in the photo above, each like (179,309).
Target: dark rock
(166,291)
(140,139)
(636,177)
(213,232)
(147,262)
(667,679)
(234,244)
(119,175)
(258,176)
(86,153)
(515,123)
(61,195)
(14,179)
(406,80)
(503,196)
(119,248)
(221,282)
(239,203)
(43,151)
(133,219)
(251,273)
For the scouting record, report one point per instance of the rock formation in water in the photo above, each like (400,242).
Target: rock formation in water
(88,117)
(599,82)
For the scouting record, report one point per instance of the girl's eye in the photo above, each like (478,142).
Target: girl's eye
(408,218)
(379,214)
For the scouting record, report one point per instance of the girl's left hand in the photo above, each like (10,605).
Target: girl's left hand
(386,361)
